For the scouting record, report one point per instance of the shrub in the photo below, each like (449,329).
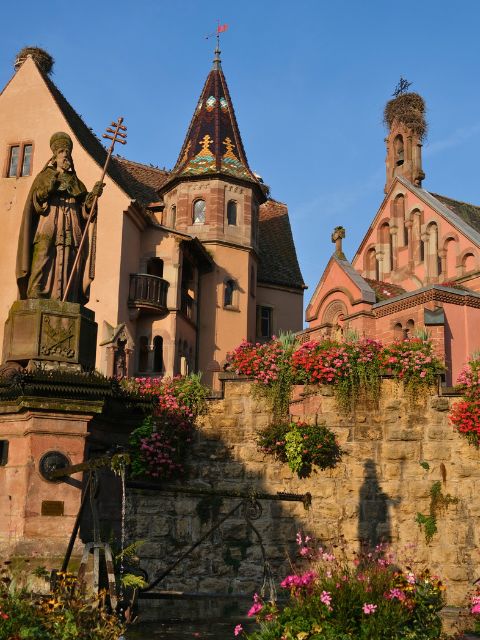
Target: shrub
(302,446)
(67,613)
(368,599)
(159,446)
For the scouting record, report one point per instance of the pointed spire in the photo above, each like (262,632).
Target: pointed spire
(217,63)
(213,144)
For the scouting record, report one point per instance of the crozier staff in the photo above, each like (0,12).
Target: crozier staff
(53,223)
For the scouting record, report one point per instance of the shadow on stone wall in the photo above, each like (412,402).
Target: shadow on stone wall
(374,526)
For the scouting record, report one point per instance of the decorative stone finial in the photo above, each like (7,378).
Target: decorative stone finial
(337,237)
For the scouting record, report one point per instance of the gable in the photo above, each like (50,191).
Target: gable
(457,216)
(342,282)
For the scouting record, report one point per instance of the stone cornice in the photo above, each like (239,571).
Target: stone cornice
(424,296)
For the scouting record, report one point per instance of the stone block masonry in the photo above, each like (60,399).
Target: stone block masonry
(374,493)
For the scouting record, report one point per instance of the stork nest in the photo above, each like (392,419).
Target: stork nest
(409,109)
(42,58)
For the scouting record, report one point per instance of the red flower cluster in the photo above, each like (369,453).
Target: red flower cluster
(411,359)
(160,444)
(260,361)
(328,362)
(321,362)
(465,415)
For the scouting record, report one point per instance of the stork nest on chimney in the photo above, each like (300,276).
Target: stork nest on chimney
(43,59)
(409,110)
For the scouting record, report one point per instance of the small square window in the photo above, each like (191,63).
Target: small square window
(264,322)
(3,452)
(13,161)
(27,160)
(19,160)
(199,212)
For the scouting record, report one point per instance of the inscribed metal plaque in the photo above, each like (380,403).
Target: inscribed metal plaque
(52,508)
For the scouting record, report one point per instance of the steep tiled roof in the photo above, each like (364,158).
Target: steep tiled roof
(139,181)
(384,290)
(143,180)
(469,213)
(278,262)
(213,143)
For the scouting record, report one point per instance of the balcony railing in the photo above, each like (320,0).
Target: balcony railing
(147,292)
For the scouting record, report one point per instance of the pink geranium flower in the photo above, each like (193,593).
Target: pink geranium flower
(368,609)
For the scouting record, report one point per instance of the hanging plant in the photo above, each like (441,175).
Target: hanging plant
(302,446)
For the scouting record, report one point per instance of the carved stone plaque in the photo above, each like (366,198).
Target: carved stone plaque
(52,508)
(58,336)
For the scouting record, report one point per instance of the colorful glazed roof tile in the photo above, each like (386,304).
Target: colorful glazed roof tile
(384,290)
(213,143)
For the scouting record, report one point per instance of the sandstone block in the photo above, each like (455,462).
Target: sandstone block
(440,404)
(403,432)
(436,451)
(368,432)
(400,450)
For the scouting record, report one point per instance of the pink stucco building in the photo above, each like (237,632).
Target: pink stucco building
(188,262)
(417,266)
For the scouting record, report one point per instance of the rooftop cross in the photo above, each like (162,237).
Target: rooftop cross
(337,237)
(401,88)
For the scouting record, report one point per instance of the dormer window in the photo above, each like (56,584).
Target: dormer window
(19,160)
(232,213)
(199,212)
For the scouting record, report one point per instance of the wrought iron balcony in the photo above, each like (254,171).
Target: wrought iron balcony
(147,292)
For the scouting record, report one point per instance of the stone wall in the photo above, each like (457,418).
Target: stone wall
(375,492)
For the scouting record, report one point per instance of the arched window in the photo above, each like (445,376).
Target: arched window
(232,212)
(434,261)
(387,245)
(228,296)
(372,266)
(399,151)
(409,328)
(399,213)
(450,249)
(468,263)
(173,216)
(398,331)
(158,353)
(199,212)
(143,354)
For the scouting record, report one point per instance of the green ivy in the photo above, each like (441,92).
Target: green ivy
(438,504)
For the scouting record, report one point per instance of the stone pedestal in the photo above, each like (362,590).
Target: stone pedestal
(50,334)
(77,415)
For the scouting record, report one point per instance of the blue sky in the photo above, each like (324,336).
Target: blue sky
(308,79)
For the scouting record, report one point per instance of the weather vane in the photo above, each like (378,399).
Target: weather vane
(221,28)
(401,88)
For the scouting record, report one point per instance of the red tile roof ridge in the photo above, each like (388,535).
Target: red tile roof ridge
(140,164)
